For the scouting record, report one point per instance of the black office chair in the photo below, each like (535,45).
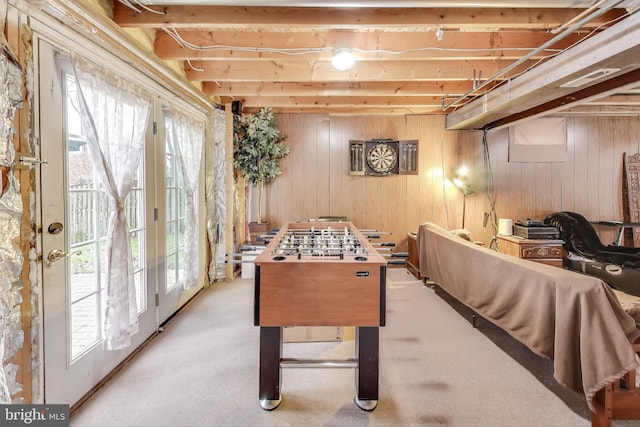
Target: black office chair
(619,266)
(581,238)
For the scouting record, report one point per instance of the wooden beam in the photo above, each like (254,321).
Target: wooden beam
(617,47)
(318,71)
(602,110)
(564,102)
(341,101)
(621,100)
(17,36)
(388,46)
(398,88)
(355,111)
(349,18)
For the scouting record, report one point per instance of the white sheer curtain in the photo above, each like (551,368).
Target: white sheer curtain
(114,117)
(215,169)
(186,134)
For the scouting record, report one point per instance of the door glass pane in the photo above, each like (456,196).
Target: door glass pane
(181,258)
(171,237)
(88,212)
(175,213)
(85,329)
(172,277)
(171,204)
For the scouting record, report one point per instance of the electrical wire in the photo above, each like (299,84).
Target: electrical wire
(173,33)
(590,34)
(444,189)
(193,67)
(489,190)
(470,93)
(551,53)
(143,6)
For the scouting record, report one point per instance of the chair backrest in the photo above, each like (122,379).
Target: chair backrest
(581,238)
(578,234)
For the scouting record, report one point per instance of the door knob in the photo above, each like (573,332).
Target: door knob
(57,254)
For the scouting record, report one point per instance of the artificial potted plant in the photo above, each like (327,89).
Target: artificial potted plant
(257,151)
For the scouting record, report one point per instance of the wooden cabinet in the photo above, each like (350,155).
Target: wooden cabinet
(256,229)
(413,260)
(542,251)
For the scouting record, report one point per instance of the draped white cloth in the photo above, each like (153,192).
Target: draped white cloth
(186,134)
(114,115)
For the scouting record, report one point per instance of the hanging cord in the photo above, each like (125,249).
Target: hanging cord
(137,4)
(174,34)
(444,189)
(489,190)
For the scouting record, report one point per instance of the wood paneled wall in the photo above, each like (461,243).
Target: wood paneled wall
(589,183)
(315,179)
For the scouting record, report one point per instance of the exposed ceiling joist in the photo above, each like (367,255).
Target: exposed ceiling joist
(407,56)
(318,18)
(396,3)
(546,84)
(378,88)
(323,71)
(383,46)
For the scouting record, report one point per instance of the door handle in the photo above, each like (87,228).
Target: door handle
(57,254)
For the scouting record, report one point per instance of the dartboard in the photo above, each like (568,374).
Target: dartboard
(382,158)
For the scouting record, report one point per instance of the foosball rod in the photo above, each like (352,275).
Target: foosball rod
(373,231)
(318,363)
(395,255)
(233,259)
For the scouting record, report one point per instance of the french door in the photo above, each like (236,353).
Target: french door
(171,219)
(73,220)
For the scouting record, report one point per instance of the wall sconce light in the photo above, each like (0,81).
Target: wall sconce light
(343,59)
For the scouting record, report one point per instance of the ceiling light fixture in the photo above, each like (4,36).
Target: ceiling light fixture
(343,59)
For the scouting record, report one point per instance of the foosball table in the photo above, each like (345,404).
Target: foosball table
(319,274)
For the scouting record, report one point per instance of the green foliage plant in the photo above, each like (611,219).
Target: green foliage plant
(258,149)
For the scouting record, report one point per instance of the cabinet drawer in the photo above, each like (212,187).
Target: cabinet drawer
(540,251)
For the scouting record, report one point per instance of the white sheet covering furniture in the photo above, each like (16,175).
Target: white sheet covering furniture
(573,319)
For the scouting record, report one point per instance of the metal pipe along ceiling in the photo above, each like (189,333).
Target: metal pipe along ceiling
(608,5)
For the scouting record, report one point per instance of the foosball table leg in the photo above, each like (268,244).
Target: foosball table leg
(270,376)
(367,354)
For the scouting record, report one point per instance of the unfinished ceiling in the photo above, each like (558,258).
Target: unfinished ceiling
(417,57)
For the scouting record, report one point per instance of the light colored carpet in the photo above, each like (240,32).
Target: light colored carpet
(435,369)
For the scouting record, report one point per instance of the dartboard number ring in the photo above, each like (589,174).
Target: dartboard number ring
(381,158)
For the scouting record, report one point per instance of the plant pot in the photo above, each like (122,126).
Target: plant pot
(256,229)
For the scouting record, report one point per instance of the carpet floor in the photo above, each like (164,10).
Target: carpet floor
(435,369)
